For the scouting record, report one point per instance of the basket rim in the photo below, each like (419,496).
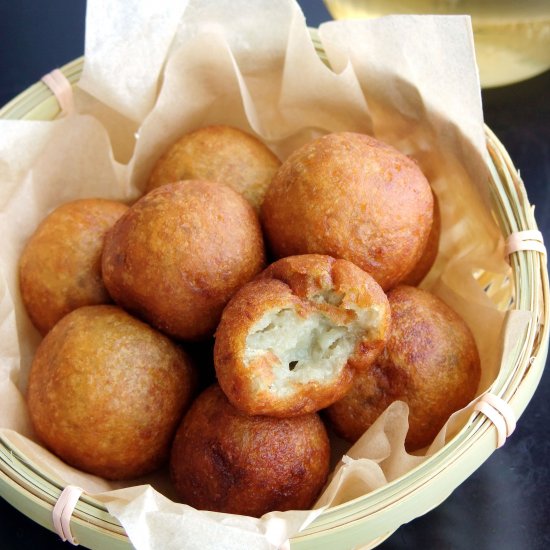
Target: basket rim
(531,290)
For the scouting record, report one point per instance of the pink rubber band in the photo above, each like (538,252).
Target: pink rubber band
(525,240)
(63,510)
(499,413)
(62,90)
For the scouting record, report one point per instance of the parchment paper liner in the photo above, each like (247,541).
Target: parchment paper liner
(154,70)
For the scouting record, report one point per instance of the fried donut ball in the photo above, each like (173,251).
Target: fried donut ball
(107,392)
(430,362)
(350,196)
(180,252)
(225,461)
(423,266)
(219,153)
(60,267)
(290,342)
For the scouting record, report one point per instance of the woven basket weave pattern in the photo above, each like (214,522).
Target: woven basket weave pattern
(382,511)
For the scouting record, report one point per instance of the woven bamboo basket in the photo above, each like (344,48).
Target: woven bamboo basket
(367,520)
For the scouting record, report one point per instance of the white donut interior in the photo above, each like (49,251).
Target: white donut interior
(311,348)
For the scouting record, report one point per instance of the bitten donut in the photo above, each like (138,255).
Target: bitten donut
(60,267)
(350,196)
(226,461)
(219,153)
(291,341)
(430,362)
(180,252)
(107,392)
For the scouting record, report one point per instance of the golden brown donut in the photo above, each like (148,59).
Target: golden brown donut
(350,196)
(430,361)
(107,392)
(180,252)
(290,342)
(60,267)
(423,266)
(219,153)
(225,461)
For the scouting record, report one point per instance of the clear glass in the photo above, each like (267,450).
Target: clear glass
(512,37)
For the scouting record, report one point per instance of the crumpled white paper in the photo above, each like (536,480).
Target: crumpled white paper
(153,521)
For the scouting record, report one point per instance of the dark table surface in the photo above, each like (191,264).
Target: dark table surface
(505,504)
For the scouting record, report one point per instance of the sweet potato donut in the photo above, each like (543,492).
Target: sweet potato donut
(180,252)
(423,266)
(430,361)
(60,267)
(219,153)
(107,392)
(290,342)
(226,461)
(350,196)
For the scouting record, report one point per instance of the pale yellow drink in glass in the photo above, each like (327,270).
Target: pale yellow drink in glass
(512,37)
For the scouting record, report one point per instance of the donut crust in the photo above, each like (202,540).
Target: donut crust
(431,362)
(219,153)
(350,196)
(291,341)
(180,252)
(426,261)
(60,266)
(107,392)
(226,461)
